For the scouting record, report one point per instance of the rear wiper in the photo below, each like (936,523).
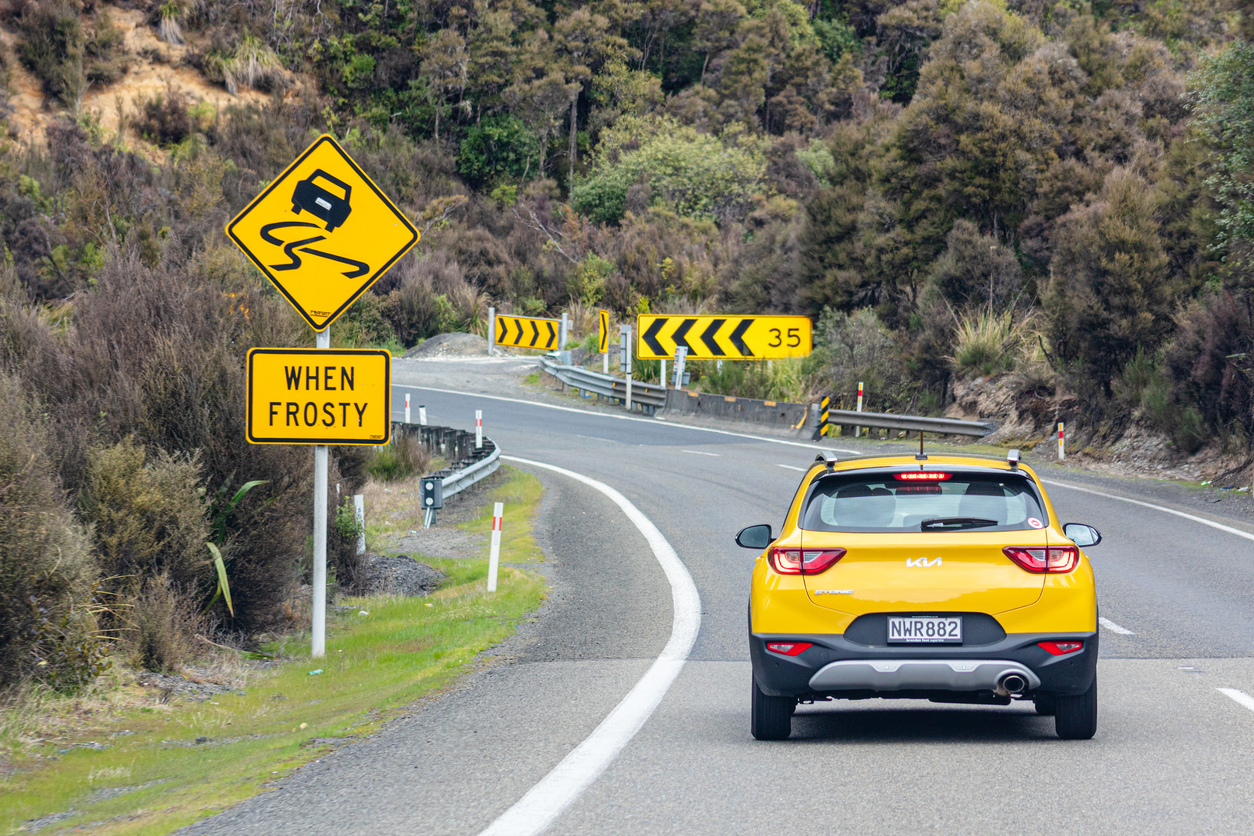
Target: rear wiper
(956,523)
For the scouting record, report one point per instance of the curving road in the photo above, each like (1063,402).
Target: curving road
(1174,752)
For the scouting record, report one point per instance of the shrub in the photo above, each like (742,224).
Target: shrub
(165,120)
(46,567)
(149,517)
(988,343)
(163,626)
(857,347)
(405,458)
(342,556)
(498,147)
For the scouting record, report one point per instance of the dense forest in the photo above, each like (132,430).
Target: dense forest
(1059,193)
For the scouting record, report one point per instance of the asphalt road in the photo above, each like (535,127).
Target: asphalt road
(1173,753)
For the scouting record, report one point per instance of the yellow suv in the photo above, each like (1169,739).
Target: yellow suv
(947,578)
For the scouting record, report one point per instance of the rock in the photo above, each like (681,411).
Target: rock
(451,345)
(399,574)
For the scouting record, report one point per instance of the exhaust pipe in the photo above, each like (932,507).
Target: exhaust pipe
(1011,684)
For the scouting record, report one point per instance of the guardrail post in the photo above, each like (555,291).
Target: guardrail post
(494,557)
(359,513)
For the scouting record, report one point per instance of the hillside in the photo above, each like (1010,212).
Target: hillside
(1039,207)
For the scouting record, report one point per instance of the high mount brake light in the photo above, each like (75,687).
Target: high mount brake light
(1060,648)
(1042,560)
(788,648)
(804,561)
(922,476)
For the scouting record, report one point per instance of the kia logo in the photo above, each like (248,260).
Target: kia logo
(923,561)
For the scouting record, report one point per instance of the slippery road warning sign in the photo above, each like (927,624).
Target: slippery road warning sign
(322,232)
(723,337)
(319,396)
(528,332)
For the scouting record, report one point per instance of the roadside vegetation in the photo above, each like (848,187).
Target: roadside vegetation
(128,759)
(1055,194)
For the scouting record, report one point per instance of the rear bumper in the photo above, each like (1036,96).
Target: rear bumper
(837,667)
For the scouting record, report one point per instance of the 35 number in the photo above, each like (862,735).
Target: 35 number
(794,338)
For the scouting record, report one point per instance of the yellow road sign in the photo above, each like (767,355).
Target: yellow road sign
(715,337)
(603,346)
(528,332)
(322,232)
(319,396)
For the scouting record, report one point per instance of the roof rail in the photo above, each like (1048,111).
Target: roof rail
(1013,458)
(827,457)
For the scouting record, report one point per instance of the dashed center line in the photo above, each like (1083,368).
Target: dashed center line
(1115,628)
(702,453)
(792,467)
(1240,697)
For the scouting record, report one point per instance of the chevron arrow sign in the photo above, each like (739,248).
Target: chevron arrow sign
(718,337)
(527,332)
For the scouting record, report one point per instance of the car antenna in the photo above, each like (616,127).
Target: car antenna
(922,457)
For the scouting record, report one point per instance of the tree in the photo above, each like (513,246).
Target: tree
(716,30)
(1108,295)
(444,59)
(1223,104)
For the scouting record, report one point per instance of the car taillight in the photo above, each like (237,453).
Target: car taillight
(1042,560)
(788,648)
(1060,648)
(804,561)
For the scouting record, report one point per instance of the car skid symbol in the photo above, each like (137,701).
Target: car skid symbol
(360,268)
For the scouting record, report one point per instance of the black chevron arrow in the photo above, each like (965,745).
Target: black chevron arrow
(681,334)
(502,329)
(518,323)
(650,336)
(552,338)
(535,331)
(707,337)
(738,338)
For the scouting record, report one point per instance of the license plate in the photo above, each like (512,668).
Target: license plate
(925,629)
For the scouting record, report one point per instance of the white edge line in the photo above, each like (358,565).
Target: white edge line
(1239,696)
(544,802)
(702,453)
(653,421)
(1225,528)
(792,467)
(1114,628)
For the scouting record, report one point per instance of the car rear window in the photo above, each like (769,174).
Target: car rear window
(915,501)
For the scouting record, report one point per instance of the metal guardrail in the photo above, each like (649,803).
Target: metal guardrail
(650,396)
(919,423)
(470,463)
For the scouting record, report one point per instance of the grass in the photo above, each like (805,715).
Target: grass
(382,655)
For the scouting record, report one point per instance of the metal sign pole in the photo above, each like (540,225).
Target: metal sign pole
(491,331)
(319,648)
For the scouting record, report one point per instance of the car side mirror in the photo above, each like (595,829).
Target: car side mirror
(755,537)
(1082,535)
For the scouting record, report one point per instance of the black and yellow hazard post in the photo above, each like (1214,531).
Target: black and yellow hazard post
(826,427)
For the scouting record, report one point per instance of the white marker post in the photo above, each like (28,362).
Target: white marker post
(563,332)
(857,431)
(662,373)
(494,557)
(478,429)
(1062,452)
(359,511)
(319,646)
(422,415)
(491,331)
(624,358)
(407,408)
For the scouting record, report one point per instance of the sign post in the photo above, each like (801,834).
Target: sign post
(681,357)
(491,331)
(322,233)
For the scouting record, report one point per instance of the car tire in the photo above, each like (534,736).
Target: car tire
(1046,706)
(771,717)
(1075,718)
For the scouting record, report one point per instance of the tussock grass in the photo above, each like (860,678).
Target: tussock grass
(376,664)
